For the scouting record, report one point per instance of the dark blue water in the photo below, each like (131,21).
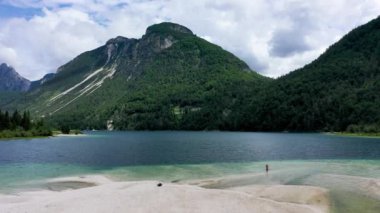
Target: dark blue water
(115,149)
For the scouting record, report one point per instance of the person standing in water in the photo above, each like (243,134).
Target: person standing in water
(267,168)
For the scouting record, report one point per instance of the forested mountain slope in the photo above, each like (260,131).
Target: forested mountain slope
(172,79)
(338,90)
(168,79)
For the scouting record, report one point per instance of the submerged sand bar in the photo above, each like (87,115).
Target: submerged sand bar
(146,196)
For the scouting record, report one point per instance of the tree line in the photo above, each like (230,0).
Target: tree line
(15,121)
(16,124)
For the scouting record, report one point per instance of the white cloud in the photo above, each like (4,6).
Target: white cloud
(273,37)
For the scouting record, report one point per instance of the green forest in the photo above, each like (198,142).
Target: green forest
(340,91)
(13,125)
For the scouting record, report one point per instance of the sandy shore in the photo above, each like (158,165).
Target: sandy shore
(70,135)
(99,194)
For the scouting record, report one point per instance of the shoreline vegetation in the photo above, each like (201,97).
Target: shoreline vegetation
(357,134)
(35,133)
(19,134)
(20,125)
(353,130)
(16,125)
(43,132)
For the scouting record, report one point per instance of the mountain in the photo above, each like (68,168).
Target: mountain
(172,79)
(337,92)
(43,80)
(11,81)
(168,79)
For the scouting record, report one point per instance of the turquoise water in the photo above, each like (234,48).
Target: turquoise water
(334,162)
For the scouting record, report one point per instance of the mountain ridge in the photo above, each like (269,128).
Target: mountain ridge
(11,81)
(172,79)
(336,92)
(159,81)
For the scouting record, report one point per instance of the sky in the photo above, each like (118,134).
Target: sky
(273,37)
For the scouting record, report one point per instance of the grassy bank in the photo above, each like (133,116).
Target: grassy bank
(9,134)
(358,134)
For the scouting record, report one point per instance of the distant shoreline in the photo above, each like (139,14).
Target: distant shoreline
(14,135)
(17,135)
(71,133)
(359,134)
(20,138)
(68,135)
(74,133)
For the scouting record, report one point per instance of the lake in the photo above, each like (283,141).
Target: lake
(294,158)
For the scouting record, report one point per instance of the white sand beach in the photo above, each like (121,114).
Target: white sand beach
(70,135)
(100,194)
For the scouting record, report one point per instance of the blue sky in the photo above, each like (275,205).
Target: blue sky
(273,37)
(10,11)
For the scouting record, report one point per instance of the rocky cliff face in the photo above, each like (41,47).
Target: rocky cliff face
(10,80)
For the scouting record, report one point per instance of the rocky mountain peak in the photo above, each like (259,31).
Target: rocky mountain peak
(167,28)
(10,80)
(4,67)
(118,39)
